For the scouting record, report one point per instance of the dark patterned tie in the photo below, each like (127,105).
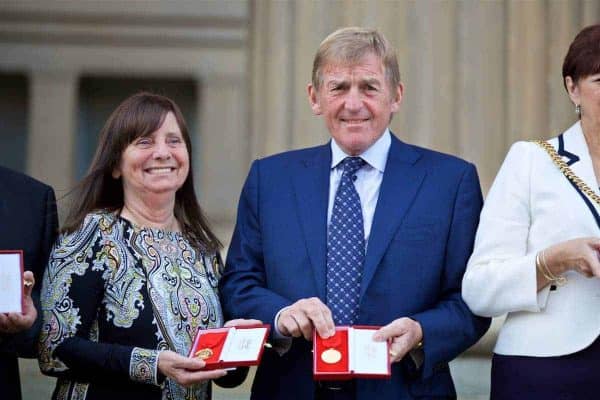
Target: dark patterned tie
(345,247)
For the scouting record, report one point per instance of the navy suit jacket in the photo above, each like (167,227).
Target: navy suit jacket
(421,238)
(28,221)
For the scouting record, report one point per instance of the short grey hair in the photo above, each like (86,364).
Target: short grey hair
(347,46)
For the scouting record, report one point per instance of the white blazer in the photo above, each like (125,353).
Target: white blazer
(531,206)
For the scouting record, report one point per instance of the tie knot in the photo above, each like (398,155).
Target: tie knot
(352,164)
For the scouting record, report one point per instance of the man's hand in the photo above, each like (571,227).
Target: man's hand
(404,335)
(303,316)
(16,322)
(186,371)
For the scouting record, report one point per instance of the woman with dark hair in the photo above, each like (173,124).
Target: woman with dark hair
(134,273)
(537,249)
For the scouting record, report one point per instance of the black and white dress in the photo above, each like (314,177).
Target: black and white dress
(114,295)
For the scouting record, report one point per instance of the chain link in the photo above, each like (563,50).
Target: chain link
(564,168)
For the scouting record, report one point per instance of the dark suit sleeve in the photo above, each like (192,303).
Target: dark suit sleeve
(24,343)
(48,232)
(449,327)
(243,287)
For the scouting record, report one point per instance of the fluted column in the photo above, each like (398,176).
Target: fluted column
(478,75)
(273,69)
(481,89)
(590,12)
(430,76)
(565,25)
(50,148)
(221,149)
(307,129)
(526,66)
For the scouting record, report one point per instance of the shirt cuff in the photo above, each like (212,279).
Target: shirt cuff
(143,366)
(281,343)
(276,333)
(418,357)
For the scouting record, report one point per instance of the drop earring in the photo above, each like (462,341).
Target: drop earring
(578,109)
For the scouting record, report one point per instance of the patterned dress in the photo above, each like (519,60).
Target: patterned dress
(114,295)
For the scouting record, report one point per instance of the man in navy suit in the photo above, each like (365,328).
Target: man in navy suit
(28,222)
(363,230)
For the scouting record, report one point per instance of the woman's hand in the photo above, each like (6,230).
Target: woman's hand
(581,255)
(242,322)
(186,371)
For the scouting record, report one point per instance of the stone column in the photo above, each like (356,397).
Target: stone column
(306,128)
(526,65)
(51,142)
(481,88)
(430,55)
(478,75)
(221,150)
(565,25)
(590,12)
(273,72)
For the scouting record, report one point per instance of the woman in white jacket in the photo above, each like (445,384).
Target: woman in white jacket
(537,250)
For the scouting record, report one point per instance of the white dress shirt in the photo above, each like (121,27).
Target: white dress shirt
(368,178)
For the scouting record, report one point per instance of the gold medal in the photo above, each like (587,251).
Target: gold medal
(331,356)
(204,353)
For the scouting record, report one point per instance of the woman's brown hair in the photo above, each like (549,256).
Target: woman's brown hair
(137,116)
(583,57)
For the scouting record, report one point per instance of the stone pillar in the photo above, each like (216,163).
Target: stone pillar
(273,70)
(481,88)
(565,25)
(221,150)
(51,142)
(478,75)
(526,65)
(430,55)
(307,129)
(590,12)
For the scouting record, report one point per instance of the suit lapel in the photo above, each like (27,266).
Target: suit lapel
(575,148)
(4,214)
(311,185)
(401,182)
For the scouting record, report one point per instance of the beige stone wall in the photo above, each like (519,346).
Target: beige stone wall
(478,75)
(55,43)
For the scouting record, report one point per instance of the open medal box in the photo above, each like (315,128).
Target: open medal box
(11,281)
(230,347)
(350,353)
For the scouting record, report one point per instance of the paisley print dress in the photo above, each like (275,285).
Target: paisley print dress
(113,296)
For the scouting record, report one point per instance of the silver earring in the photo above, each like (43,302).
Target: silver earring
(578,109)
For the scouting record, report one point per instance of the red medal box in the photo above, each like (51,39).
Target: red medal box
(11,281)
(350,353)
(230,347)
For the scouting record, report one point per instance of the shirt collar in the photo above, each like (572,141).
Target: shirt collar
(375,156)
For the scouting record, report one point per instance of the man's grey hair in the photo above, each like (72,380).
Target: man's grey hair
(348,46)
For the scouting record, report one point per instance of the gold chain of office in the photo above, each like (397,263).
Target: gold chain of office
(564,168)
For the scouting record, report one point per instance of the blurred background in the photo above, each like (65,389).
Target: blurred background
(478,76)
